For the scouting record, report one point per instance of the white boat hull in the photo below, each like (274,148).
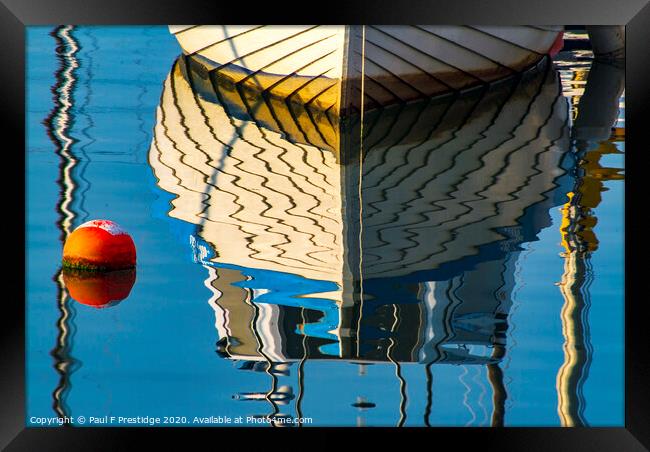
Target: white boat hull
(323,65)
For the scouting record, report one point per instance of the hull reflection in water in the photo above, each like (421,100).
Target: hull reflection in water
(391,238)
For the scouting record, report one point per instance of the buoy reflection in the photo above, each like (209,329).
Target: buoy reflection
(99,289)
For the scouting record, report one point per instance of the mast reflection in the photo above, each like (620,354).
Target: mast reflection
(58,124)
(597,111)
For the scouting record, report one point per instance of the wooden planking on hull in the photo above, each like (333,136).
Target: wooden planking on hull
(399,63)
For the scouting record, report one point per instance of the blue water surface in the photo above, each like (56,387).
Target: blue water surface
(154,354)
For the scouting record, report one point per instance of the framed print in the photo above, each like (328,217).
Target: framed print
(251,227)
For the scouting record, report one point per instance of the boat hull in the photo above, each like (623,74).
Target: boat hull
(324,66)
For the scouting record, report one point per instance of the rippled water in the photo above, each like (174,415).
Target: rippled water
(462,265)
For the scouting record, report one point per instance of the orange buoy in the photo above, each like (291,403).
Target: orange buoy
(99,245)
(98,289)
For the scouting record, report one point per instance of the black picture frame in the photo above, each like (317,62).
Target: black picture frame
(15,15)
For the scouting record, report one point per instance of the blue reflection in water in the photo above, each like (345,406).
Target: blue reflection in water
(410,254)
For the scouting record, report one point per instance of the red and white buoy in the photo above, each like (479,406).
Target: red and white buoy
(99,245)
